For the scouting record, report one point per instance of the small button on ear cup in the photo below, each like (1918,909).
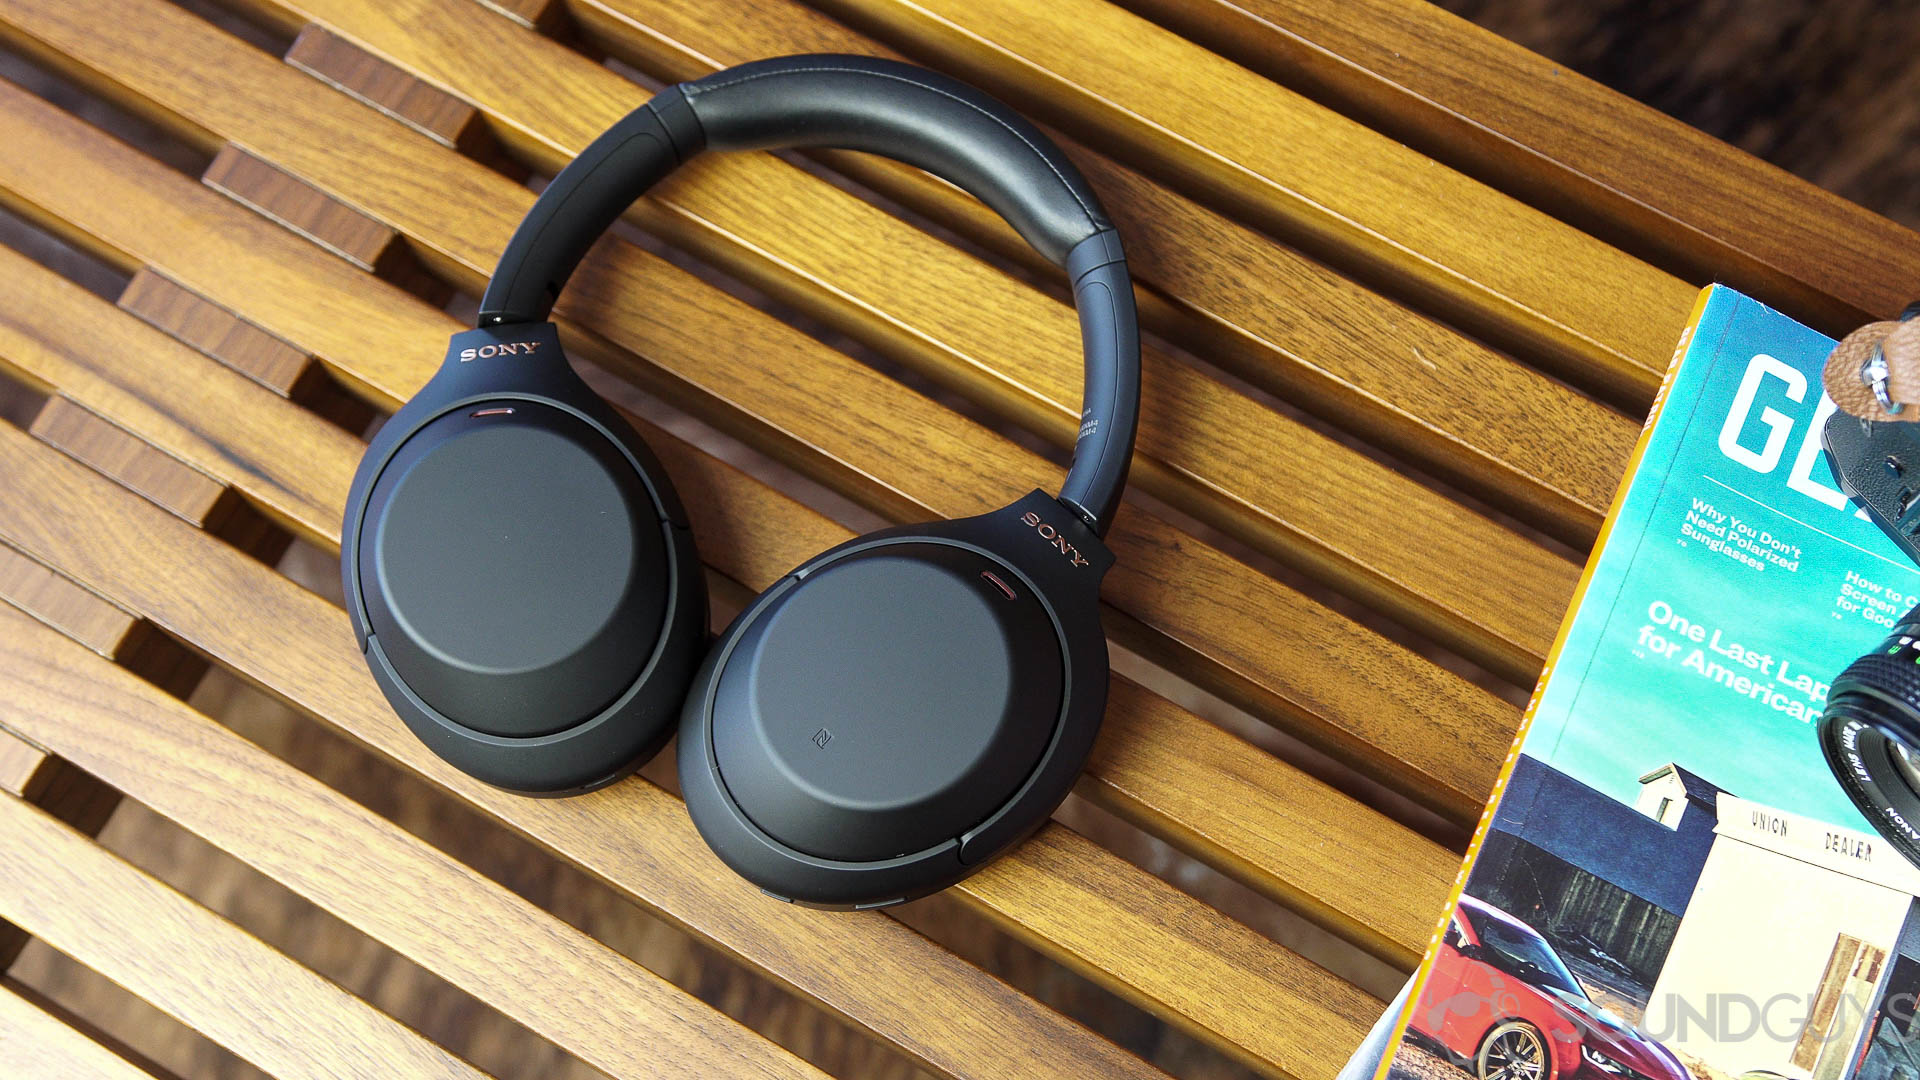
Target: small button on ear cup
(514,568)
(888,701)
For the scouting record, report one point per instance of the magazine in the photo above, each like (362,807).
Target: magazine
(1669,884)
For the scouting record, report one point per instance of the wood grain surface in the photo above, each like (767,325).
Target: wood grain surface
(347,233)
(19,761)
(78,613)
(434,112)
(1467,96)
(37,1044)
(166,480)
(218,333)
(561,984)
(59,886)
(1309,175)
(62,791)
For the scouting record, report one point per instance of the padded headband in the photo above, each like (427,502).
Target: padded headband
(882,107)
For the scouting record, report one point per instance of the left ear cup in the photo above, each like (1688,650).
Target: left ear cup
(513,572)
(900,709)
(527,597)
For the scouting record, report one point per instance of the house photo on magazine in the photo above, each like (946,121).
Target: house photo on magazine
(1671,884)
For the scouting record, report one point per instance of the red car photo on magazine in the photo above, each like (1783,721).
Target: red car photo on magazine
(1501,1005)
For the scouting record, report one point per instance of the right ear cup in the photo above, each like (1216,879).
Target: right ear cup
(519,573)
(901,709)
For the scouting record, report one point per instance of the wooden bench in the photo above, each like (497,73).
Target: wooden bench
(1408,289)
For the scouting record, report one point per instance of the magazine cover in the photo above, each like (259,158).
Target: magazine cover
(1669,884)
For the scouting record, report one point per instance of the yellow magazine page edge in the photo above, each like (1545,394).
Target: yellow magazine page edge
(1526,720)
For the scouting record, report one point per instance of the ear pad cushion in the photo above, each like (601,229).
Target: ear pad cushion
(901,709)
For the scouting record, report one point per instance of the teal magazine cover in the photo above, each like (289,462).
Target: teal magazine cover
(1671,886)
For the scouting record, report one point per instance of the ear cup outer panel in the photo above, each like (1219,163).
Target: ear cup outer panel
(901,709)
(519,573)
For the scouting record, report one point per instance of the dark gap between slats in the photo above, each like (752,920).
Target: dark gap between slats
(129,127)
(1054,286)
(82,267)
(1265,736)
(86,1027)
(451,1017)
(845,510)
(231,519)
(1301,582)
(260,35)
(1349,262)
(1049,282)
(575,897)
(1224,374)
(1210,707)
(404,271)
(19,403)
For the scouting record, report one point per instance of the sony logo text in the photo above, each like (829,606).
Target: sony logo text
(506,348)
(1052,536)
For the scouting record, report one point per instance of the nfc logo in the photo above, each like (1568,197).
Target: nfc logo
(822,737)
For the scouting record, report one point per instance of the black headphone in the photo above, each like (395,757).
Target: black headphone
(874,726)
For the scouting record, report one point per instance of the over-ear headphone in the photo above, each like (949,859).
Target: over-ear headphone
(881,721)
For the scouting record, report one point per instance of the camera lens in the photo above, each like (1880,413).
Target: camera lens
(1871,735)
(1903,760)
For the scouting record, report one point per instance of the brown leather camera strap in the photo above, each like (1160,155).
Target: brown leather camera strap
(1874,372)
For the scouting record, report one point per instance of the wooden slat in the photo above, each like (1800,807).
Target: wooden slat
(33,774)
(501,949)
(218,333)
(220,422)
(353,236)
(166,480)
(1284,833)
(197,967)
(1305,173)
(1304,332)
(21,765)
(320,217)
(36,1044)
(1213,977)
(543,15)
(1282,486)
(1465,95)
(30,773)
(18,763)
(322,53)
(82,615)
(1226,625)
